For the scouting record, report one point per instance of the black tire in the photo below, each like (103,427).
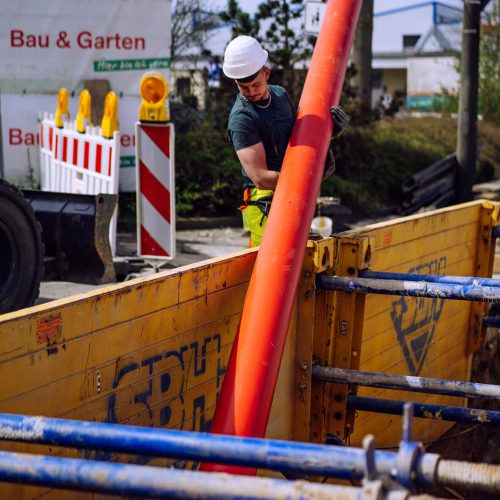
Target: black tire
(21,251)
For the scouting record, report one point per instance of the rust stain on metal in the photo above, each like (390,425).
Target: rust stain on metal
(49,329)
(387,238)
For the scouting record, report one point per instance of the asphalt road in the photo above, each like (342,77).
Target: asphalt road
(192,246)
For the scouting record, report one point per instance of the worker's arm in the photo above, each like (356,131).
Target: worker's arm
(253,160)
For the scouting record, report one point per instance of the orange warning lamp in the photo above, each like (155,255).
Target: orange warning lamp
(62,112)
(83,115)
(109,124)
(154,92)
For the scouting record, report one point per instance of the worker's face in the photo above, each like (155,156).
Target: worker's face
(256,90)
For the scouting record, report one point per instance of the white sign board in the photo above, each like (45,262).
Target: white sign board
(49,44)
(314,12)
(69,41)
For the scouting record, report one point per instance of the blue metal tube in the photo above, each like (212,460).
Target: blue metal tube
(425,410)
(304,458)
(493,321)
(431,278)
(155,482)
(409,288)
(407,383)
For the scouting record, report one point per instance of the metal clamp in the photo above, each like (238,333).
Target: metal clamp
(409,452)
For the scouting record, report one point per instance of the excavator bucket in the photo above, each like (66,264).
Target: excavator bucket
(75,232)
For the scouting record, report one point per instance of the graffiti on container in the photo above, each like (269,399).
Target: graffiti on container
(415,319)
(161,396)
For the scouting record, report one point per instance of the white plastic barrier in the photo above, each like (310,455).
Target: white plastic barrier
(72,162)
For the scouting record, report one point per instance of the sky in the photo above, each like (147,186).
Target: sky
(379,5)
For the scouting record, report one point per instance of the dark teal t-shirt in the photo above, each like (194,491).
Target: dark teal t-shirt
(250,124)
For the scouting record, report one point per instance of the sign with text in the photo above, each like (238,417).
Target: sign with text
(68,41)
(314,13)
(20,136)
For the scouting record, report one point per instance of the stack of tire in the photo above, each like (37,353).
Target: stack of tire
(21,251)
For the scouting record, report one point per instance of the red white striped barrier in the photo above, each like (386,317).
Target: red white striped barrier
(155,190)
(71,162)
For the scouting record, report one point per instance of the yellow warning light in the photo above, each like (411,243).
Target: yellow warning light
(62,113)
(83,116)
(154,92)
(109,122)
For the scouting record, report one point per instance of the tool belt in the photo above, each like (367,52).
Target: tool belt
(264,203)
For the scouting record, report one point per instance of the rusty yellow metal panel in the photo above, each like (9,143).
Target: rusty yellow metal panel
(424,337)
(149,352)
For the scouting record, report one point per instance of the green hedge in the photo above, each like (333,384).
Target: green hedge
(372,162)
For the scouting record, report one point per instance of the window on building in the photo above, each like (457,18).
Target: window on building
(183,87)
(409,41)
(377,75)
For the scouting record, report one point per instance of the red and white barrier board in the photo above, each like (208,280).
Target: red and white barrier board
(155,170)
(72,162)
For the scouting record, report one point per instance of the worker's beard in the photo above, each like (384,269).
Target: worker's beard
(260,100)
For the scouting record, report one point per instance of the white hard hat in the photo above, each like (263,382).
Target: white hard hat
(243,57)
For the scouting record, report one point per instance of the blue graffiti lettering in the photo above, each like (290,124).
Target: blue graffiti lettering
(415,338)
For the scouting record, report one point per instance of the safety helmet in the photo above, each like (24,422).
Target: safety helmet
(243,57)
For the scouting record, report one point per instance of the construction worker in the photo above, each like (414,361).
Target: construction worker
(260,124)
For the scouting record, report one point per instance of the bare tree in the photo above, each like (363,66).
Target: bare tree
(193,22)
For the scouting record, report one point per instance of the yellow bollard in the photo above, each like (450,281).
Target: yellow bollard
(154,92)
(83,116)
(62,113)
(109,122)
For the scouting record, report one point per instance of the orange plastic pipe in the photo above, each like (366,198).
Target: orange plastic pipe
(248,389)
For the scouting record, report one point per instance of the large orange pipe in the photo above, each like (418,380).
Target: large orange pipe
(248,389)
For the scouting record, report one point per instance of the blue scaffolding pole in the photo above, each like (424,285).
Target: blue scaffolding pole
(409,288)
(156,482)
(284,456)
(407,383)
(424,410)
(430,278)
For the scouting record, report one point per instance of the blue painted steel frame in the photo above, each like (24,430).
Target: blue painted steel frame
(407,383)
(304,458)
(425,410)
(491,321)
(431,278)
(409,288)
(155,482)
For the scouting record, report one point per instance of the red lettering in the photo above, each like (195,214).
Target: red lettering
(29,139)
(84,40)
(139,43)
(127,43)
(127,140)
(15,136)
(16,38)
(19,39)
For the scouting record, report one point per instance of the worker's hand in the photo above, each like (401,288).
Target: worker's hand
(340,120)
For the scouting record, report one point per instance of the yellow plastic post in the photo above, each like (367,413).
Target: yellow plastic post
(154,92)
(83,116)
(62,113)
(109,122)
